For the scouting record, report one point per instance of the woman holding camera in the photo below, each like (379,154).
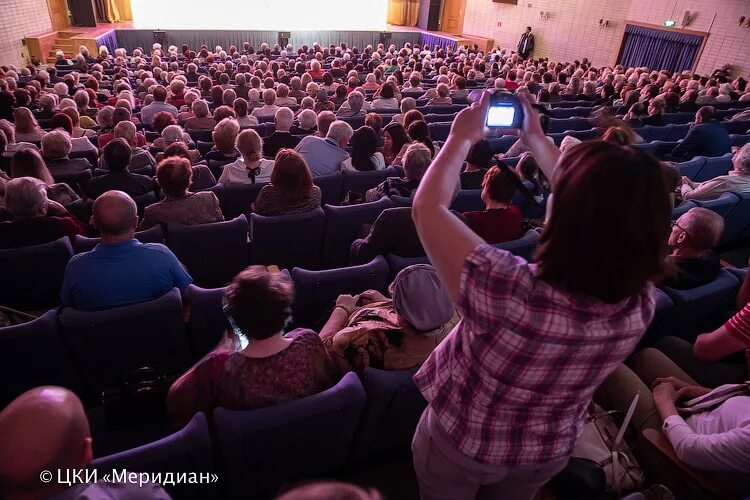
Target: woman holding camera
(509,387)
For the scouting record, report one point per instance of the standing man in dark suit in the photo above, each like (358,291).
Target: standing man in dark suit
(706,137)
(526,44)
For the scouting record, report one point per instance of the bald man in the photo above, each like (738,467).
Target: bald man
(46,429)
(120,270)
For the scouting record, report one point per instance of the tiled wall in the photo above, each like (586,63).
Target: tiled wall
(572,31)
(19,18)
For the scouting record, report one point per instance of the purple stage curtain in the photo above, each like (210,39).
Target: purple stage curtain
(109,40)
(659,49)
(432,40)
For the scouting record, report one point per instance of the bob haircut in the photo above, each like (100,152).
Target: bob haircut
(291,175)
(628,226)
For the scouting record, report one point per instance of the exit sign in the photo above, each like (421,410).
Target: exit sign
(670,23)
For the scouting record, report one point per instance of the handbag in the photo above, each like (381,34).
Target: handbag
(602,442)
(140,397)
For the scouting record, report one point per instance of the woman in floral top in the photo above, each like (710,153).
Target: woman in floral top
(272,369)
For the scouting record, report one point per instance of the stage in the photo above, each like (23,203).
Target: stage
(114,35)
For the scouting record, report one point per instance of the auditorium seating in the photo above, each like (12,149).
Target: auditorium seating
(343,226)
(152,235)
(264,448)
(287,240)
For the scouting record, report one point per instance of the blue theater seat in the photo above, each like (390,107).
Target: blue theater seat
(468,200)
(107,344)
(32,354)
(306,438)
(31,276)
(186,451)
(287,240)
(196,247)
(316,291)
(714,167)
(152,235)
(236,199)
(207,323)
(342,227)
(330,188)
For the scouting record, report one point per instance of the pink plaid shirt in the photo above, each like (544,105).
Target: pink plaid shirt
(512,381)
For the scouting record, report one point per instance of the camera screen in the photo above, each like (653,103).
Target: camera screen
(500,115)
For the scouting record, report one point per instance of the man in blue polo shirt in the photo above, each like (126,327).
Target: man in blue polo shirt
(120,270)
(324,156)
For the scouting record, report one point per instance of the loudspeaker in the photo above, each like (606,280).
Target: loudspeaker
(385,38)
(83,12)
(284,37)
(161,38)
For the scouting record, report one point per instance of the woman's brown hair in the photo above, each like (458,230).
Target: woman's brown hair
(174,175)
(291,175)
(607,234)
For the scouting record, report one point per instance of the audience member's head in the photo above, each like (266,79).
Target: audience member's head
(115,215)
(284,118)
(291,175)
(696,231)
(56,145)
(480,155)
(225,135)
(499,186)
(250,145)
(420,300)
(416,161)
(258,302)
(26,198)
(117,154)
(741,160)
(29,163)
(325,119)
(44,428)
(705,114)
(174,176)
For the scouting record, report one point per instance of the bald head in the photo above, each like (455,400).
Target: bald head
(115,214)
(44,428)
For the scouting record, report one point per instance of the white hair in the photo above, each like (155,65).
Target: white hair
(56,144)
(340,131)
(284,118)
(25,197)
(171,134)
(307,119)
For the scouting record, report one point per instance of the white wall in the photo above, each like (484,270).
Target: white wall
(573,32)
(727,42)
(19,18)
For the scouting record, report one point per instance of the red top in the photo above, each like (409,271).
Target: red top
(739,327)
(511,85)
(496,225)
(38,231)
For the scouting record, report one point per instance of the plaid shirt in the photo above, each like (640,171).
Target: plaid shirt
(511,383)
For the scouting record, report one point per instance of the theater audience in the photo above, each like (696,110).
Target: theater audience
(500,221)
(29,163)
(241,111)
(407,104)
(706,137)
(365,154)
(251,167)
(46,427)
(9,131)
(477,163)
(307,123)
(36,219)
(224,136)
(443,96)
(269,367)
(416,161)
(399,333)
(531,175)
(496,293)
(180,206)
(77,144)
(142,272)
(386,101)
(281,137)
(355,101)
(736,181)
(117,156)
(140,158)
(269,107)
(692,238)
(291,190)
(201,119)
(324,156)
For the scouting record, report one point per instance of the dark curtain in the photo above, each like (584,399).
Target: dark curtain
(659,49)
(109,40)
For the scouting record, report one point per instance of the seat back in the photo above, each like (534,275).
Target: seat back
(394,405)
(651,133)
(691,168)
(737,222)
(693,305)
(186,451)
(679,118)
(396,263)
(501,144)
(32,276)
(236,199)
(723,205)
(342,227)
(196,247)
(739,140)
(287,240)
(523,247)
(439,131)
(678,131)
(360,182)
(316,291)
(330,188)
(107,344)
(207,322)
(468,200)
(152,235)
(32,354)
(714,167)
(304,438)
(684,207)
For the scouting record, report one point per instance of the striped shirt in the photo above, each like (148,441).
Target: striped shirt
(511,383)
(739,327)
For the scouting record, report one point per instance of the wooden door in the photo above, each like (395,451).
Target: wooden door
(58,13)
(452,20)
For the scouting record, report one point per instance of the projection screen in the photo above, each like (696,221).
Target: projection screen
(282,15)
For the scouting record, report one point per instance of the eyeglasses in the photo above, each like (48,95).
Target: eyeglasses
(675,224)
